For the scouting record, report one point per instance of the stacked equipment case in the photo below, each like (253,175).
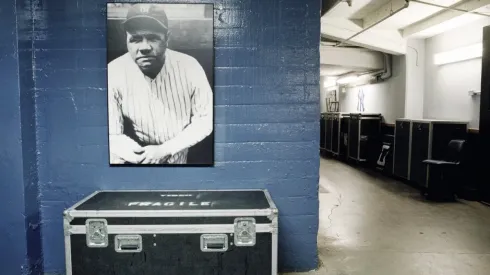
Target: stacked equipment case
(421,139)
(323,120)
(231,232)
(332,127)
(401,152)
(337,139)
(364,132)
(344,136)
(333,131)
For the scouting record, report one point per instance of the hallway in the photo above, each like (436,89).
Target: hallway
(372,225)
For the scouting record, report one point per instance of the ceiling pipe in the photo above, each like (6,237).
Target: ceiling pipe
(388,68)
(450,8)
(374,76)
(373,25)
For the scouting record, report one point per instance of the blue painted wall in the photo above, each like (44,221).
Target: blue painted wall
(21,251)
(13,255)
(26,33)
(267,105)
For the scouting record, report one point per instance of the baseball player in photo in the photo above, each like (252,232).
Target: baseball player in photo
(160,101)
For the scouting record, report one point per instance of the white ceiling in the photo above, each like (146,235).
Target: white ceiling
(336,70)
(333,70)
(415,21)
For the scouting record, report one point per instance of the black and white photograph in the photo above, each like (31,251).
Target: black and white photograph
(160,70)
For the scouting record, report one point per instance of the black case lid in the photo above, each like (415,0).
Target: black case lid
(175,200)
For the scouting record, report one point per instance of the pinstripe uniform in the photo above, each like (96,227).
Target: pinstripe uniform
(174,108)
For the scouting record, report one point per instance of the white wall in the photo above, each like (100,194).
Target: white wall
(415,79)
(325,91)
(447,86)
(387,98)
(323,94)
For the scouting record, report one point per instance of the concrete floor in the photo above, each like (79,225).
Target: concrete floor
(372,225)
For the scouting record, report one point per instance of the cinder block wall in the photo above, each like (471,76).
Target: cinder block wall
(13,252)
(266,115)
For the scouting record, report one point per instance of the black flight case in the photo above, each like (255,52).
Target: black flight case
(232,232)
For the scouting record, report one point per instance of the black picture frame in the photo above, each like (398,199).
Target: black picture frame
(191,29)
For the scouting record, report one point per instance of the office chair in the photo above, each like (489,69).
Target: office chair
(445,175)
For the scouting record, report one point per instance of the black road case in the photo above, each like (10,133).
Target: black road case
(430,139)
(323,131)
(172,232)
(344,136)
(419,139)
(364,132)
(328,131)
(334,122)
(403,143)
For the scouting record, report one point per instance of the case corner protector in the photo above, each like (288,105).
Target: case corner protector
(67,216)
(274,215)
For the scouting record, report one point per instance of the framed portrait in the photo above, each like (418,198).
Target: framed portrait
(160,72)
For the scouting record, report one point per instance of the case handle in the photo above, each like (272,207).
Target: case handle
(128,243)
(214,242)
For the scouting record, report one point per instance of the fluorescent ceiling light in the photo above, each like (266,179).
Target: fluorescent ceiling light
(347,79)
(448,25)
(460,54)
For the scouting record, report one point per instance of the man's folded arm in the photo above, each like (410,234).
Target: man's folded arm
(202,114)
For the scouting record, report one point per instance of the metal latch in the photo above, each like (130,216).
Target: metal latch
(245,233)
(128,243)
(96,233)
(214,243)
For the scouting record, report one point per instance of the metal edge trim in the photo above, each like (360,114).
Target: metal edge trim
(431,130)
(178,190)
(450,122)
(171,229)
(394,150)
(275,248)
(338,136)
(410,150)
(359,141)
(348,138)
(82,201)
(68,252)
(439,121)
(369,118)
(72,212)
(364,114)
(325,125)
(171,213)
(269,199)
(331,135)
(325,132)
(429,153)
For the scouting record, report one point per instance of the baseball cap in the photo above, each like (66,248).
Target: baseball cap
(139,13)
